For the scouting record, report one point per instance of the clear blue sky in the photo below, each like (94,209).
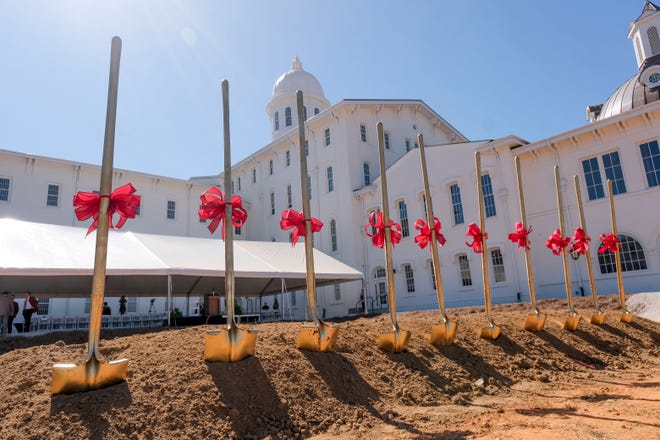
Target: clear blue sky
(490,68)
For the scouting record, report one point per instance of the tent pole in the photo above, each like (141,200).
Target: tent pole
(169,300)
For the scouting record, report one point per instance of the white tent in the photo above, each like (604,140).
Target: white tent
(53,260)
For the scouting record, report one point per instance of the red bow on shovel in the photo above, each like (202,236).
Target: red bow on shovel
(378,237)
(122,202)
(477,244)
(580,241)
(556,243)
(296,220)
(424,236)
(610,243)
(213,208)
(521,236)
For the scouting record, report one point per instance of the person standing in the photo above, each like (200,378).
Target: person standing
(30,306)
(106,309)
(122,305)
(14,305)
(6,310)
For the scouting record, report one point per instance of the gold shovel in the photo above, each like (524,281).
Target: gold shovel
(232,343)
(627,316)
(94,374)
(395,341)
(442,333)
(320,336)
(598,317)
(492,331)
(535,320)
(573,318)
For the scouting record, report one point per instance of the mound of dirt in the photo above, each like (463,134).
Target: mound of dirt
(598,381)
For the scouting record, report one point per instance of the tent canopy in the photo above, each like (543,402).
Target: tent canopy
(54,260)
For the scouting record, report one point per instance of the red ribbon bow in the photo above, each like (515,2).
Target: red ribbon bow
(213,208)
(580,241)
(478,237)
(610,243)
(556,243)
(294,219)
(521,236)
(424,237)
(122,202)
(378,237)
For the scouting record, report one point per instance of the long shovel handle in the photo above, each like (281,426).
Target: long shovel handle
(587,254)
(101,251)
(482,226)
(523,218)
(229,229)
(309,245)
(391,295)
(564,254)
(617,254)
(429,218)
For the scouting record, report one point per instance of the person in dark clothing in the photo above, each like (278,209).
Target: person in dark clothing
(14,312)
(122,305)
(106,309)
(30,306)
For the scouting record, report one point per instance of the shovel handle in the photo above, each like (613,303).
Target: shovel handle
(105,188)
(587,254)
(564,253)
(523,219)
(482,226)
(617,254)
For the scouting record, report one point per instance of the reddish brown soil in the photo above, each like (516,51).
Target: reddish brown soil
(598,382)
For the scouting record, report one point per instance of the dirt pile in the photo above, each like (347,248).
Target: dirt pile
(508,388)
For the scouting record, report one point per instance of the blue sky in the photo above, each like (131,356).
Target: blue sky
(490,68)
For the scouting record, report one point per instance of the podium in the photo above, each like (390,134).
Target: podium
(211,305)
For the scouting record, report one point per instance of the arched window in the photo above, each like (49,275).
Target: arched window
(654,40)
(287,116)
(277,121)
(316,111)
(333,234)
(632,256)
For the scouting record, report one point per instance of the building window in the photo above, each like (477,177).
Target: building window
(306,148)
(380,286)
(304,112)
(316,111)
(612,166)
(457,204)
(53,197)
(232,187)
(424,208)
(464,267)
(407,145)
(44,306)
(237,230)
(432,274)
(138,208)
(651,158)
(372,228)
(487,192)
(272,203)
(270,167)
(365,173)
(254,175)
(498,265)
(327,137)
(592,178)
(239,183)
(386,140)
(289,198)
(277,121)
(4,189)
(288,157)
(292,299)
(632,256)
(171,209)
(333,234)
(287,116)
(131,305)
(410,278)
(403,216)
(363,133)
(331,184)
(309,187)
(337,292)
(201,220)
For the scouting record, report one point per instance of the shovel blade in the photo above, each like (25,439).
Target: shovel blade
(572,323)
(598,318)
(443,333)
(317,338)
(535,321)
(394,341)
(229,345)
(627,317)
(92,375)
(491,332)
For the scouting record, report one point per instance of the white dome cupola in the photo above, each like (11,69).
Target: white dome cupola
(281,108)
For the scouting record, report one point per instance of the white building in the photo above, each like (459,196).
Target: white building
(620,142)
